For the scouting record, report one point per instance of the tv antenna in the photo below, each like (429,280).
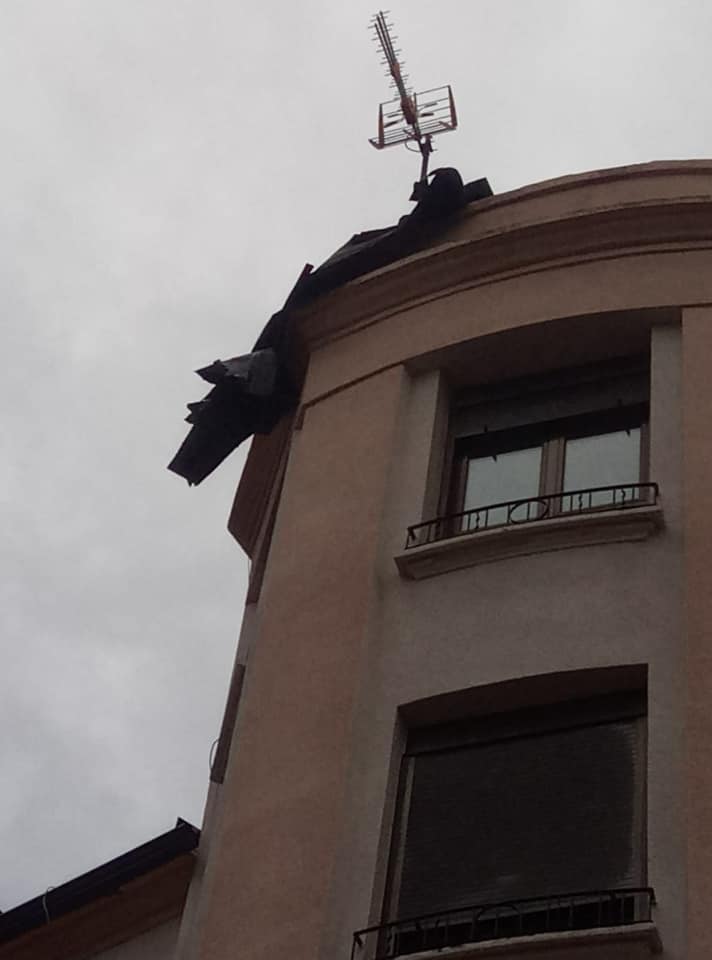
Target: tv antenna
(409,117)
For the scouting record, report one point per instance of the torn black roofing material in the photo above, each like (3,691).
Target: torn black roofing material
(99,882)
(250,395)
(253,392)
(373,249)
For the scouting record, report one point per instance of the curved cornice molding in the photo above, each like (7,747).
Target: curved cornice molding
(663,207)
(674,171)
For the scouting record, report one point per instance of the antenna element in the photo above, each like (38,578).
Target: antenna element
(410,116)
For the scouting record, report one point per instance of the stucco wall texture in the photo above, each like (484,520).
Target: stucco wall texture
(157,944)
(577,270)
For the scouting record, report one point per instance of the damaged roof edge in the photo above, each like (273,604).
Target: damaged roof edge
(239,405)
(372,249)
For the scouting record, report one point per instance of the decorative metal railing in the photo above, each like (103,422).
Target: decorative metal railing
(514,512)
(496,921)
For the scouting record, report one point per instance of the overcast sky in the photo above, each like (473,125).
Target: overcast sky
(167,167)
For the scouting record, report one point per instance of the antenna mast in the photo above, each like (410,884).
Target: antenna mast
(409,117)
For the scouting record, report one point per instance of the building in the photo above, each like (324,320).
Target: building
(475,674)
(126,909)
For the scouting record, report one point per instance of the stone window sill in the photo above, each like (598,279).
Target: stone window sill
(539,536)
(634,942)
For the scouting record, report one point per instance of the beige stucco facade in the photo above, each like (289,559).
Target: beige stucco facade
(343,647)
(157,944)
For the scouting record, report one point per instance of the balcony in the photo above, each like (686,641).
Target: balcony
(535,525)
(590,918)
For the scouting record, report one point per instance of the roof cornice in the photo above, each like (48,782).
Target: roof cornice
(663,205)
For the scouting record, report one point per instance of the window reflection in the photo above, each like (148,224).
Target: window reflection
(602,460)
(508,476)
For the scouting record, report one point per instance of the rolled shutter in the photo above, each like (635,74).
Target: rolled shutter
(552,812)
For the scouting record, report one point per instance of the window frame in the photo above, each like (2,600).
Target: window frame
(552,436)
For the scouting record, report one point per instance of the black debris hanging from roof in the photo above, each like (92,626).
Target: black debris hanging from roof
(251,393)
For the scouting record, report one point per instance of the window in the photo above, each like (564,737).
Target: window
(533,804)
(549,448)
(569,449)
(551,463)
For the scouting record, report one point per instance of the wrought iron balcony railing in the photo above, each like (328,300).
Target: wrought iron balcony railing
(496,921)
(531,510)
